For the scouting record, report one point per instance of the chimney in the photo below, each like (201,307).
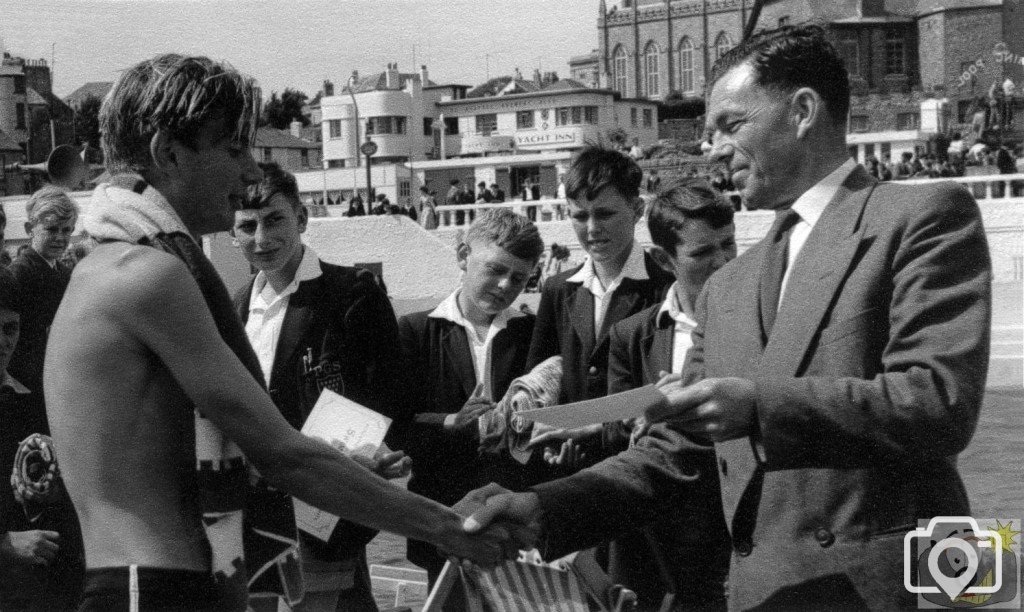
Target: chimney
(517,75)
(355,80)
(423,75)
(328,88)
(391,76)
(295,128)
(537,78)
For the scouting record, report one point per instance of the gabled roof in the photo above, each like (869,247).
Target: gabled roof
(563,84)
(378,82)
(96,89)
(33,98)
(279,139)
(502,86)
(8,144)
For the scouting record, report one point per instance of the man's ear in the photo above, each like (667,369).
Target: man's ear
(28,229)
(162,151)
(661,257)
(302,217)
(806,110)
(638,208)
(462,254)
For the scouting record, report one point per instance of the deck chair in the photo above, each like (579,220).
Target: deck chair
(575,583)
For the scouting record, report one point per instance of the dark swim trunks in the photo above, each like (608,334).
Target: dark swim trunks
(134,589)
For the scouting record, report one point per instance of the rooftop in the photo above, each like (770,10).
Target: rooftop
(94,89)
(279,139)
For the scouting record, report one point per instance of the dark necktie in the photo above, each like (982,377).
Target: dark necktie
(775,268)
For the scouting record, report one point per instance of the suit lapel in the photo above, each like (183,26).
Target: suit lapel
(623,303)
(242,306)
(581,313)
(456,348)
(817,275)
(297,319)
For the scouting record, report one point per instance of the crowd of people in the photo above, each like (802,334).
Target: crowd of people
(811,395)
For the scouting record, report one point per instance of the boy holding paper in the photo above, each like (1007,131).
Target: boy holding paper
(316,326)
(461,357)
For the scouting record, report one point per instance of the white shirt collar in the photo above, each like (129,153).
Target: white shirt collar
(309,268)
(635,268)
(449,310)
(671,307)
(10,381)
(812,202)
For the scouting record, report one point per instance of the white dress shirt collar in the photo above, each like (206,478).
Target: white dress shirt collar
(812,202)
(671,308)
(10,381)
(635,268)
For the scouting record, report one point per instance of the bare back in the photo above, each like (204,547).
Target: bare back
(122,425)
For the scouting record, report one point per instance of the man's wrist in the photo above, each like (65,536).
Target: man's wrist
(449,422)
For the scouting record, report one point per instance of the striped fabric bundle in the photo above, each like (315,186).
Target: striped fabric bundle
(518,586)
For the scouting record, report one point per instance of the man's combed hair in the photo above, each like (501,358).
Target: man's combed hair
(276,181)
(684,201)
(50,203)
(514,233)
(178,94)
(595,167)
(792,57)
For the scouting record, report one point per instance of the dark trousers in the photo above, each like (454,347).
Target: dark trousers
(114,589)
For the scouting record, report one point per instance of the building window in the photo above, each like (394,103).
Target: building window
(650,77)
(524,120)
(304,158)
(722,45)
(632,117)
(576,115)
(428,126)
(648,118)
(268,155)
(895,53)
(334,128)
(686,66)
(858,123)
(403,189)
(485,124)
(451,125)
(963,110)
(784,20)
(19,84)
(590,115)
(335,163)
(19,111)
(619,70)
(908,121)
(850,52)
(385,125)
(562,116)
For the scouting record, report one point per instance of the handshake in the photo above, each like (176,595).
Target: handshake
(494,525)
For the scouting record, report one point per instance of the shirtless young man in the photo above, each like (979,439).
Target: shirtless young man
(135,349)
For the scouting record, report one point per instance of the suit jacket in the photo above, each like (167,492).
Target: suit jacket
(867,389)
(565,326)
(42,288)
(440,379)
(345,321)
(685,551)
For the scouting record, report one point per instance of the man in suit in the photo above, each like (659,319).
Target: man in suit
(316,326)
(837,409)
(51,217)
(460,359)
(687,551)
(617,279)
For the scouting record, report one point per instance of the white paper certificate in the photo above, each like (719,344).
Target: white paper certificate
(349,427)
(624,405)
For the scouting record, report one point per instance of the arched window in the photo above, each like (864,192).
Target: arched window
(722,45)
(650,77)
(686,65)
(619,70)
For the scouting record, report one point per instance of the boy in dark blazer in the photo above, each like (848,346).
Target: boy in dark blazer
(687,551)
(617,280)
(317,326)
(460,359)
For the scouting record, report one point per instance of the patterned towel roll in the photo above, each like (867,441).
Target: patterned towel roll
(35,478)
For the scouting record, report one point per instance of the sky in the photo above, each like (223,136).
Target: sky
(299,43)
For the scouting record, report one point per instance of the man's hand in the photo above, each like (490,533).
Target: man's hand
(475,406)
(716,408)
(30,547)
(549,435)
(386,463)
(493,506)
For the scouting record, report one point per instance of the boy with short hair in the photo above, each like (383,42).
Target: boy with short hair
(316,326)
(692,228)
(51,216)
(461,358)
(617,279)
(41,561)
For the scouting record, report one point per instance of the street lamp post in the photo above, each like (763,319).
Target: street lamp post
(355,111)
(369,148)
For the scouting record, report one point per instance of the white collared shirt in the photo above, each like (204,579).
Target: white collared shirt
(10,381)
(681,339)
(810,206)
(587,276)
(267,309)
(479,348)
